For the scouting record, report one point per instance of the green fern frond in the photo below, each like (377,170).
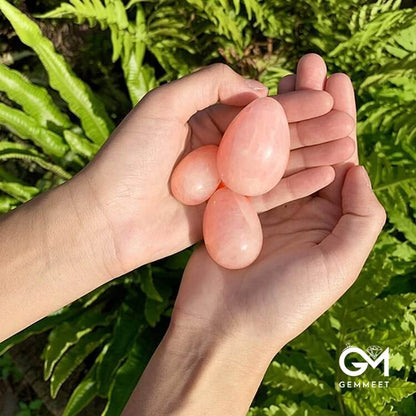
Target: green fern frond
(224,18)
(80,145)
(128,375)
(380,310)
(83,393)
(34,100)
(271,77)
(398,390)
(362,407)
(111,12)
(403,68)
(384,263)
(291,379)
(81,100)
(394,185)
(125,332)
(27,128)
(75,356)
(403,43)
(315,349)
(291,409)
(10,150)
(253,8)
(64,336)
(7,203)
(139,78)
(380,398)
(128,39)
(368,12)
(377,31)
(22,193)
(41,326)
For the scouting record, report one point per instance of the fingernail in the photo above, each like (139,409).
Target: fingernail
(255,85)
(366,177)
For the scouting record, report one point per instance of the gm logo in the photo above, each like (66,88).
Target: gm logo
(373,358)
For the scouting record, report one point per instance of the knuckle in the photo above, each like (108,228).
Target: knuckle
(157,97)
(220,68)
(349,123)
(380,214)
(151,95)
(342,75)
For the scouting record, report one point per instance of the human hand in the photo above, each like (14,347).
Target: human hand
(128,181)
(228,324)
(313,250)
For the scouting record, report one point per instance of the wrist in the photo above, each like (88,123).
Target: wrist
(89,231)
(61,256)
(224,369)
(243,352)
(115,221)
(198,309)
(199,372)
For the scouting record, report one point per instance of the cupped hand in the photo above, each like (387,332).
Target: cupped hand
(129,177)
(314,248)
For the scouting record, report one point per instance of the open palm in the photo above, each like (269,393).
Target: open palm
(130,175)
(313,248)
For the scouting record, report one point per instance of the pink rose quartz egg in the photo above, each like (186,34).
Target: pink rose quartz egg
(254,150)
(232,230)
(196,177)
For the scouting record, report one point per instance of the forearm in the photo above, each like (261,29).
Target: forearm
(196,372)
(53,250)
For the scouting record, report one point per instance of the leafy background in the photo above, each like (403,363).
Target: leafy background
(69,73)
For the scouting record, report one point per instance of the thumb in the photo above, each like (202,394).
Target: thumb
(349,244)
(182,98)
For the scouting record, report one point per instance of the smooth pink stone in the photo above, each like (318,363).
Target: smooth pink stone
(196,177)
(254,150)
(232,230)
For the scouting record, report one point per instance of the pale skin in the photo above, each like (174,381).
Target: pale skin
(118,214)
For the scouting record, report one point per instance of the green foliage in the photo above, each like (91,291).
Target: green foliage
(30,409)
(83,394)
(8,370)
(307,370)
(289,378)
(128,38)
(34,100)
(12,150)
(291,408)
(58,122)
(7,203)
(27,127)
(75,92)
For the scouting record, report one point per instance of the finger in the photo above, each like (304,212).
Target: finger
(294,187)
(342,90)
(320,155)
(311,73)
(287,84)
(181,99)
(350,242)
(304,105)
(209,125)
(340,87)
(331,126)
(298,105)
